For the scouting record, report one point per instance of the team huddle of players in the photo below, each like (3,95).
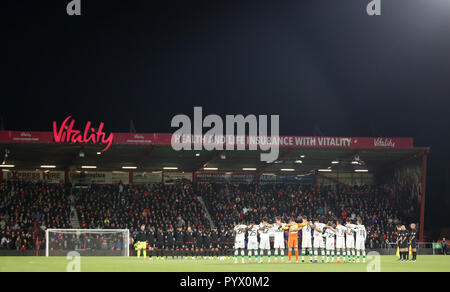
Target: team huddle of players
(326,238)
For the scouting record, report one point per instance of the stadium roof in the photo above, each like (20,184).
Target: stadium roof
(152,152)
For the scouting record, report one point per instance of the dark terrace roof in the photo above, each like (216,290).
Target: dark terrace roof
(152,157)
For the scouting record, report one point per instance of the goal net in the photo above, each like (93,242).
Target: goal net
(87,242)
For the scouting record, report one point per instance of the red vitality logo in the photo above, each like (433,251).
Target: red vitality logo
(67,134)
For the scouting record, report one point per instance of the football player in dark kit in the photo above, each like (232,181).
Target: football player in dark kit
(230,242)
(404,243)
(413,241)
(189,242)
(179,242)
(223,243)
(199,243)
(207,243)
(170,243)
(151,242)
(160,239)
(215,242)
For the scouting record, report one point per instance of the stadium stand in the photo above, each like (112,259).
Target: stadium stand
(123,206)
(27,209)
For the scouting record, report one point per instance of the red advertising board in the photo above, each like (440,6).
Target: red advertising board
(283,141)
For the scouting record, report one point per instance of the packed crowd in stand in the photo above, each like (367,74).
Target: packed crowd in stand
(27,209)
(123,206)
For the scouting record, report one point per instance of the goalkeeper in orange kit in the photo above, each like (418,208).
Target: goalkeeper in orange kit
(294,228)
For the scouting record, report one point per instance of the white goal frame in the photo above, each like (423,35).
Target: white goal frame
(125,232)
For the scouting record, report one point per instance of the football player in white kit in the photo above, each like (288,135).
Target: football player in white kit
(340,240)
(329,238)
(350,241)
(306,239)
(264,239)
(361,235)
(318,240)
(239,241)
(252,245)
(278,242)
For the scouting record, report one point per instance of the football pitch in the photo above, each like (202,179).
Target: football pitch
(425,263)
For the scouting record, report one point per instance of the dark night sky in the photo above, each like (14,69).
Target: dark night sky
(313,62)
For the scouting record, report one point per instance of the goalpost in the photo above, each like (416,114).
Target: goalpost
(87,242)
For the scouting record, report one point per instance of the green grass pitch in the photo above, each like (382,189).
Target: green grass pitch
(425,263)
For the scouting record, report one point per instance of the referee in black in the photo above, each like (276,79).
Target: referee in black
(413,241)
(404,256)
